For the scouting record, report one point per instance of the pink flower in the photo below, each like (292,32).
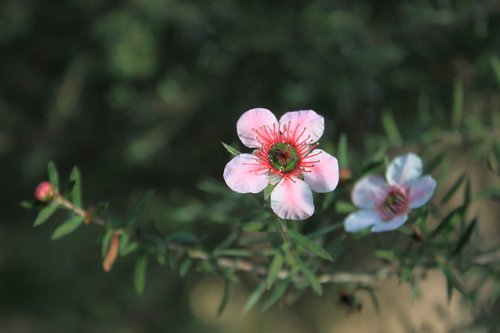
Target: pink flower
(385,205)
(44,192)
(285,156)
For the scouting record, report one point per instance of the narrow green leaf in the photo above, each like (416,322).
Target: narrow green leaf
(388,255)
(233,151)
(254,297)
(45,213)
(267,191)
(342,153)
(76,191)
(140,273)
(434,162)
(495,63)
(53,174)
(454,188)
(311,278)
(181,237)
(467,192)
(225,296)
(184,269)
(464,239)
(309,245)
(391,129)
(458,104)
(276,294)
(451,281)
(139,208)
(447,221)
(106,239)
(344,207)
(67,227)
(274,269)
(27,204)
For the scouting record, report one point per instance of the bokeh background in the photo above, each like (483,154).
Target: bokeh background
(139,94)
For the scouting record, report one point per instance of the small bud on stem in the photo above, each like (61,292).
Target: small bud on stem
(45,192)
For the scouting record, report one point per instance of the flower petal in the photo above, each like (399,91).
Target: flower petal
(292,199)
(390,225)
(369,191)
(252,120)
(313,123)
(243,174)
(420,191)
(361,219)
(324,175)
(403,169)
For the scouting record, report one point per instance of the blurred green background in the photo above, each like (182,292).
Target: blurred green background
(139,94)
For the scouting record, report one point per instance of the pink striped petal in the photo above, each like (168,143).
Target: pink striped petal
(252,120)
(390,225)
(420,191)
(242,174)
(361,219)
(324,175)
(313,123)
(369,191)
(404,169)
(292,200)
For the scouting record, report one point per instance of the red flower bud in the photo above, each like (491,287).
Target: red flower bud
(44,192)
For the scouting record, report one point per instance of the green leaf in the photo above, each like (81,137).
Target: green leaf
(267,191)
(27,204)
(391,129)
(53,174)
(344,207)
(225,296)
(274,269)
(76,191)
(277,293)
(233,151)
(458,104)
(140,273)
(184,269)
(454,188)
(254,297)
(495,63)
(434,162)
(45,213)
(311,278)
(388,255)
(451,281)
(181,237)
(491,193)
(342,151)
(309,245)
(106,239)
(464,239)
(67,227)
(139,208)
(448,220)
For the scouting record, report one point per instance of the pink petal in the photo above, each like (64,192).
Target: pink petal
(420,191)
(252,120)
(369,191)
(292,200)
(243,174)
(324,175)
(390,225)
(403,169)
(361,219)
(308,119)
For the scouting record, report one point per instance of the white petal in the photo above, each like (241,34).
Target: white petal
(243,174)
(324,175)
(403,169)
(361,219)
(292,200)
(420,191)
(390,225)
(252,120)
(369,191)
(313,123)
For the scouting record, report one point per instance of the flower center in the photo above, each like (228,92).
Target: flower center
(283,157)
(396,203)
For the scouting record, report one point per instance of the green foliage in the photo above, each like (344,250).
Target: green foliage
(67,227)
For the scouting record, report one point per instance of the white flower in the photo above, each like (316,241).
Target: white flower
(384,205)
